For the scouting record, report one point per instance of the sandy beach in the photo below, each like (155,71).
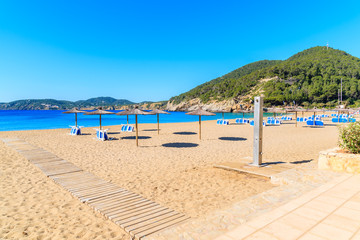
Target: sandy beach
(174,169)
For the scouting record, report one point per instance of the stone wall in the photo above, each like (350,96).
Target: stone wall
(334,160)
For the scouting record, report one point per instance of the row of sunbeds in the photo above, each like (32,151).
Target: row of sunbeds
(101,134)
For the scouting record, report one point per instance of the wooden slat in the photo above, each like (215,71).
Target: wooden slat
(84,186)
(126,216)
(161,227)
(116,212)
(153,222)
(94,191)
(108,200)
(135,219)
(147,207)
(125,197)
(117,196)
(61,172)
(110,207)
(99,196)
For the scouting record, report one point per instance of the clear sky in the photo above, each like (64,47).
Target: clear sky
(153,50)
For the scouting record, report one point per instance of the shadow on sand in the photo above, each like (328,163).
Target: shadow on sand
(180,145)
(232,139)
(273,163)
(149,130)
(300,162)
(133,137)
(113,133)
(185,133)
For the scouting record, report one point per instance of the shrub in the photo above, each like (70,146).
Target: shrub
(349,137)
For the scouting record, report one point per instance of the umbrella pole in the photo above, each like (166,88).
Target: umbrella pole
(314,118)
(158,122)
(136,126)
(295,119)
(100,121)
(75,119)
(127,119)
(200,127)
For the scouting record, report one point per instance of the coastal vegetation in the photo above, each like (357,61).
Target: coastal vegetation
(309,78)
(349,137)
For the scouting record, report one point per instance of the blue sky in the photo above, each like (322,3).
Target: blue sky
(153,50)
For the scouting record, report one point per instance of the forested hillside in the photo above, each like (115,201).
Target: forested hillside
(312,77)
(226,86)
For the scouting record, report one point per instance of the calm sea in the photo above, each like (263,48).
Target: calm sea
(11,120)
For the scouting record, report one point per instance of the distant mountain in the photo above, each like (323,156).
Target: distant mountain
(39,104)
(311,77)
(103,101)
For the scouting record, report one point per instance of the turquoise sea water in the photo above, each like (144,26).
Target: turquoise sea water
(11,120)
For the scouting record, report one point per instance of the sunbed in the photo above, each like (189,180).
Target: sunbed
(242,120)
(75,130)
(102,134)
(317,123)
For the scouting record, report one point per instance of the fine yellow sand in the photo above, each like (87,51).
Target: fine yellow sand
(174,169)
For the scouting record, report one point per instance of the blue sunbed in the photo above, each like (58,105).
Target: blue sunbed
(102,135)
(317,123)
(75,130)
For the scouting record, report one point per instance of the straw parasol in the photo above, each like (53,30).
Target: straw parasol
(314,110)
(243,112)
(200,112)
(76,111)
(157,112)
(340,110)
(126,112)
(222,112)
(135,112)
(296,110)
(275,111)
(99,112)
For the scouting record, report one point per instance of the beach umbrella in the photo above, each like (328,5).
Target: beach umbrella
(340,110)
(296,110)
(275,111)
(157,112)
(222,113)
(243,112)
(126,112)
(135,112)
(200,112)
(99,112)
(314,110)
(76,111)
(302,110)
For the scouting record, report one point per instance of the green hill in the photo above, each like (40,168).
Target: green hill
(311,76)
(39,104)
(220,88)
(102,101)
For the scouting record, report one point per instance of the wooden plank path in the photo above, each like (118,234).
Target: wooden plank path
(138,216)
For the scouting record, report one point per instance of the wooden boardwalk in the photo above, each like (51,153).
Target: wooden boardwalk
(138,216)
